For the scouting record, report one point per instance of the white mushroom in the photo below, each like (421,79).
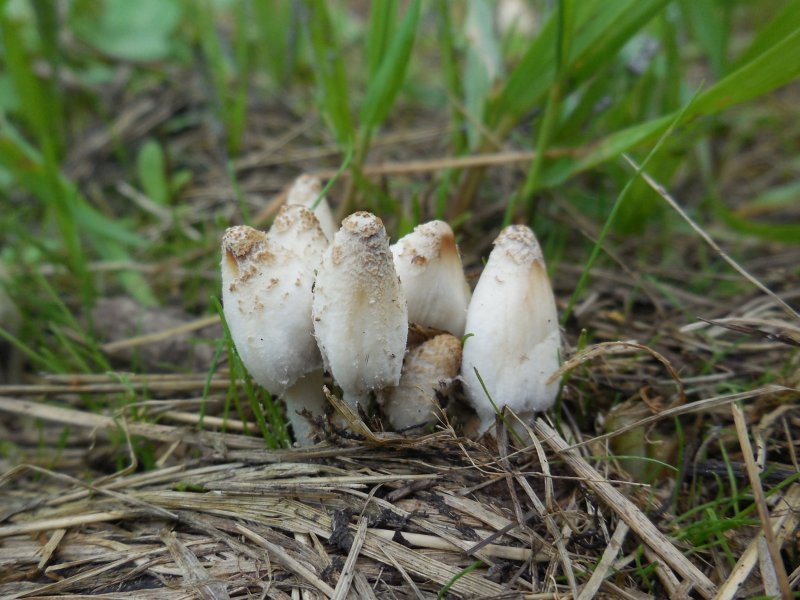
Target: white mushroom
(427,369)
(360,316)
(514,339)
(304,191)
(430,269)
(266,294)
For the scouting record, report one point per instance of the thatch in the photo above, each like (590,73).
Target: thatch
(375,515)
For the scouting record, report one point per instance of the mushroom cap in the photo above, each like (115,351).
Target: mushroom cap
(297,229)
(266,296)
(304,191)
(360,316)
(515,337)
(430,270)
(427,368)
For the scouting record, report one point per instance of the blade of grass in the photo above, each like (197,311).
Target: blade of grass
(565,14)
(36,111)
(382,90)
(776,67)
(380,29)
(584,278)
(276,436)
(276,42)
(329,71)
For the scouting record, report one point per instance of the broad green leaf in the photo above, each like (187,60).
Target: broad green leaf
(141,30)
(152,172)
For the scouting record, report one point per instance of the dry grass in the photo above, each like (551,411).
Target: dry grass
(365,514)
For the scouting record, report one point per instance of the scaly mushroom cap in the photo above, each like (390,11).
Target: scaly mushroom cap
(430,270)
(427,369)
(360,316)
(304,191)
(266,296)
(297,229)
(514,326)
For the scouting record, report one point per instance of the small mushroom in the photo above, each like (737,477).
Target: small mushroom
(430,270)
(360,316)
(304,191)
(266,294)
(427,369)
(513,330)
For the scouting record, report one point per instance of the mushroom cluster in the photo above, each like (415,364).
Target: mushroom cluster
(304,298)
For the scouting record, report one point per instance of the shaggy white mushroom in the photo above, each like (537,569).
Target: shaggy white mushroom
(304,191)
(427,369)
(267,282)
(360,316)
(514,339)
(430,270)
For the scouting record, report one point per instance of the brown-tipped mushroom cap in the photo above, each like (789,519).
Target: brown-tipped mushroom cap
(514,339)
(360,317)
(304,191)
(430,270)
(266,295)
(427,369)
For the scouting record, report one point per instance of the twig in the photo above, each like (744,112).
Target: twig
(349,568)
(602,569)
(760,501)
(661,191)
(627,511)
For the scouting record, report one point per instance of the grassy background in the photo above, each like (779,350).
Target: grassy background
(133,133)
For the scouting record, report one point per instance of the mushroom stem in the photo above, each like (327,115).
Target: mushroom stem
(305,394)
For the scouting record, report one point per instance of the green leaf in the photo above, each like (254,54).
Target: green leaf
(773,68)
(275,41)
(382,17)
(329,71)
(781,26)
(709,26)
(601,28)
(383,88)
(141,30)
(152,172)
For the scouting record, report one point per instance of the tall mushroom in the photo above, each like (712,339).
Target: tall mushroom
(267,282)
(430,270)
(360,316)
(304,191)
(513,328)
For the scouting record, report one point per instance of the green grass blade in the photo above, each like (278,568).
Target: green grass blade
(451,77)
(774,68)
(709,22)
(584,278)
(600,29)
(328,65)
(275,42)
(785,22)
(382,90)
(382,17)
